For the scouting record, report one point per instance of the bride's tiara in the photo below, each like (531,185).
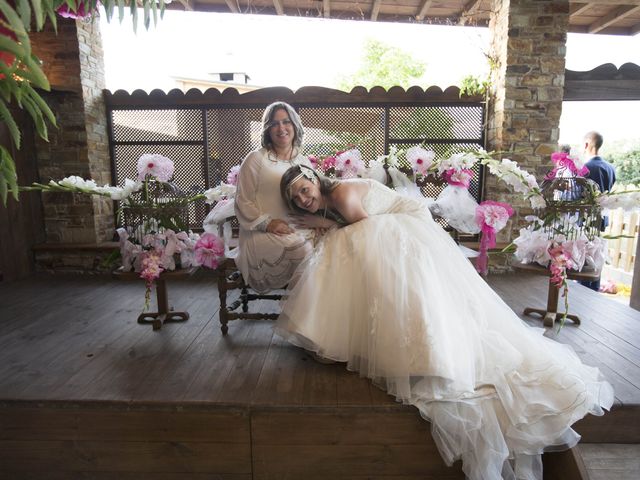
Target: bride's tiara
(304,172)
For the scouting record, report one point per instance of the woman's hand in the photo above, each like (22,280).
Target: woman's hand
(312,221)
(279,227)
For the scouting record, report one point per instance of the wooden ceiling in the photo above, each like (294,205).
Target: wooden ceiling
(609,17)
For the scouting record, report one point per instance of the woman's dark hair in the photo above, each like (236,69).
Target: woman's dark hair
(326,184)
(267,118)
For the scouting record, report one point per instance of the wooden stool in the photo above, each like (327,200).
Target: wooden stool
(551,314)
(164,313)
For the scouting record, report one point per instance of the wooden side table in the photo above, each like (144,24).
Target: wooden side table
(551,314)
(164,313)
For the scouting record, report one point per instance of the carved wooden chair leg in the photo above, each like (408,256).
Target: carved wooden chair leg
(222,294)
(244,295)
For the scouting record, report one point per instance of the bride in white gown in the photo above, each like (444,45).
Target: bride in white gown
(391,295)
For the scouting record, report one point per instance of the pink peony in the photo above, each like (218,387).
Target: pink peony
(420,159)
(349,163)
(328,162)
(232,177)
(209,249)
(155,165)
(459,178)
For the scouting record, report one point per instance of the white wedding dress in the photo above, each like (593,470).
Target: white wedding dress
(394,298)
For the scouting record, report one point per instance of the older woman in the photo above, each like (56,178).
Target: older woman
(270,249)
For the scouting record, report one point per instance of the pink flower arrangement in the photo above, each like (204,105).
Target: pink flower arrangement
(349,163)
(315,161)
(491,217)
(420,159)
(209,249)
(82,10)
(458,177)
(563,162)
(328,163)
(151,270)
(154,165)
(232,176)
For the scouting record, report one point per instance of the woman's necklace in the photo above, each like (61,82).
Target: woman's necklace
(273,156)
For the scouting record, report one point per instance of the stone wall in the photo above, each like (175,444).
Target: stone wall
(73,62)
(528,45)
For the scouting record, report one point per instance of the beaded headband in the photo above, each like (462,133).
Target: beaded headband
(304,172)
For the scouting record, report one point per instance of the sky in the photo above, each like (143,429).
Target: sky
(295,51)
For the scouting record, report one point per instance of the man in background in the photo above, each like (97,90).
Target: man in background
(601,172)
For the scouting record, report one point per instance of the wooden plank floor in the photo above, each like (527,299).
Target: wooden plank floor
(69,337)
(73,358)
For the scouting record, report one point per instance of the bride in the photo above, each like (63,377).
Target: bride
(391,295)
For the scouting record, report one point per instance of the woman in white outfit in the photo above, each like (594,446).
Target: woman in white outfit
(393,296)
(270,249)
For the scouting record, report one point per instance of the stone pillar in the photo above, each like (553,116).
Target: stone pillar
(528,50)
(73,62)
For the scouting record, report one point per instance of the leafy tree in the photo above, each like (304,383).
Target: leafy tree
(385,66)
(627,166)
(20,72)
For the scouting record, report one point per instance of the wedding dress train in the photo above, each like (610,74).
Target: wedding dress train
(394,298)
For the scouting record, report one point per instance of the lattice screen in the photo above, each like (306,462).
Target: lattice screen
(206,142)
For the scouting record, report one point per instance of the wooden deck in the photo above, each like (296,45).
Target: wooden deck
(85,389)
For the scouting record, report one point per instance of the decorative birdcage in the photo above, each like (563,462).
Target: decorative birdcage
(571,208)
(159,206)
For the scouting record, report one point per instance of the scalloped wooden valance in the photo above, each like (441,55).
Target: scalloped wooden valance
(302,96)
(606,82)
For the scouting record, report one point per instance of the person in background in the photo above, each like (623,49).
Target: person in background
(601,172)
(270,249)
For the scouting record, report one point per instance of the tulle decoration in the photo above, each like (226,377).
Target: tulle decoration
(458,208)
(491,217)
(218,215)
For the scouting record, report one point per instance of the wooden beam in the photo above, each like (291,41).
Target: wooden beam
(278,6)
(470,8)
(426,5)
(579,8)
(326,8)
(614,16)
(233,6)
(375,9)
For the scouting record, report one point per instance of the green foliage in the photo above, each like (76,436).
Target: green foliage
(385,66)
(472,85)
(627,166)
(20,71)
